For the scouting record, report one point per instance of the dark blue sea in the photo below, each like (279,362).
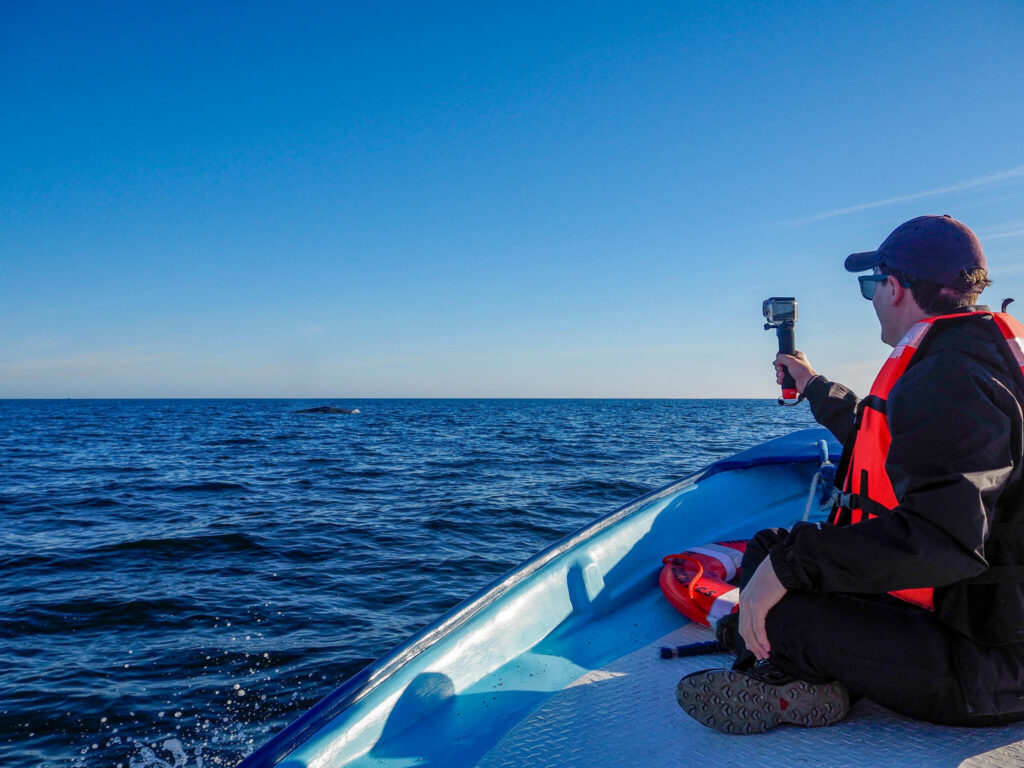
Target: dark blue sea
(179,579)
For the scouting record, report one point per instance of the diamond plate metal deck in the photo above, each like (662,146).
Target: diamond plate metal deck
(625,714)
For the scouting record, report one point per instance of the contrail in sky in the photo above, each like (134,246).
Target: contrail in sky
(971,185)
(1006,233)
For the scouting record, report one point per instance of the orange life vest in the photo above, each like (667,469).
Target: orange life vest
(867,491)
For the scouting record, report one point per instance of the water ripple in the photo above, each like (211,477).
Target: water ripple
(182,578)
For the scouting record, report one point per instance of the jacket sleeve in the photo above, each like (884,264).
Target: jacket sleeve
(950,458)
(833,406)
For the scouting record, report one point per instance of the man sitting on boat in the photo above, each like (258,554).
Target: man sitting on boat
(912,595)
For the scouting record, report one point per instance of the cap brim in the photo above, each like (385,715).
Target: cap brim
(861,262)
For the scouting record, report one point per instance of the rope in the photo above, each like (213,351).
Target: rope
(681,558)
(826,474)
(810,496)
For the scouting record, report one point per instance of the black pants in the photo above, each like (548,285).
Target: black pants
(881,648)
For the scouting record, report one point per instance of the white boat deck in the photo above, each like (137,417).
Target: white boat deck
(625,714)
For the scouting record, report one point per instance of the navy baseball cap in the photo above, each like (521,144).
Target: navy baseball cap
(931,248)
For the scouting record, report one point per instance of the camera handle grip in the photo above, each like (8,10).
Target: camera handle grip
(786,334)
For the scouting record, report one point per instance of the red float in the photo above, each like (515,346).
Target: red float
(696,581)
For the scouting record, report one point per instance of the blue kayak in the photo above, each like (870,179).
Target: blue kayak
(557,663)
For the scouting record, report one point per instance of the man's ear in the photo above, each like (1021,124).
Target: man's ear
(899,293)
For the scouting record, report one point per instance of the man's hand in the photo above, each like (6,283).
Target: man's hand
(798,367)
(760,595)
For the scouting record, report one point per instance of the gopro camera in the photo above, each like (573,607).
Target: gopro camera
(780,313)
(779,310)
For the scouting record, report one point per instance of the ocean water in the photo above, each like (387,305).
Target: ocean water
(179,579)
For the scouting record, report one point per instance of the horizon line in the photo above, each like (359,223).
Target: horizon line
(393,397)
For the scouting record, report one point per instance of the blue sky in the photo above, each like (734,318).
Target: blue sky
(437,199)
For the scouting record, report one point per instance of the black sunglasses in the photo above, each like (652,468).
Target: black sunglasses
(869,282)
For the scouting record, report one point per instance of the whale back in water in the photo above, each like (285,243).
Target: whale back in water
(328,409)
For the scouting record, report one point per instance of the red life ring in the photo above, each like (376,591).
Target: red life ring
(696,581)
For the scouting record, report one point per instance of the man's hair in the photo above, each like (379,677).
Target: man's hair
(935,299)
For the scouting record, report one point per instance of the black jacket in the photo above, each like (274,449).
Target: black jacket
(956,465)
